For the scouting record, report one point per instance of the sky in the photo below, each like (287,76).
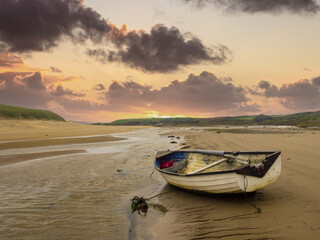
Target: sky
(102,60)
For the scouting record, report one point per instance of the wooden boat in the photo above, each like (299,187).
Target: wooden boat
(218,171)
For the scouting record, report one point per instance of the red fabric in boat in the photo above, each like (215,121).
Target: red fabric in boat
(166,164)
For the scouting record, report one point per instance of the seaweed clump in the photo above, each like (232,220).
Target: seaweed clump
(140,205)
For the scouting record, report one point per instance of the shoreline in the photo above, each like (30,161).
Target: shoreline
(36,129)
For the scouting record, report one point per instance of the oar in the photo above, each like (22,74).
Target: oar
(209,166)
(239,160)
(221,153)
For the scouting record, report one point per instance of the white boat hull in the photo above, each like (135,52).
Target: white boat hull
(225,182)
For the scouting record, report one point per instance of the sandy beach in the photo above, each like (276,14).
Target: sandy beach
(35,129)
(82,189)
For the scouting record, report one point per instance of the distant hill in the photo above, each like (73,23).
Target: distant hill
(12,112)
(306,119)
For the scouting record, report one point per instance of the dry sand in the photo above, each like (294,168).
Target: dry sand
(287,209)
(32,129)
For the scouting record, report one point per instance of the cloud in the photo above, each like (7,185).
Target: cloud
(316,81)
(27,80)
(269,90)
(29,90)
(34,81)
(23,89)
(202,94)
(58,79)
(301,95)
(162,50)
(10,60)
(38,25)
(260,6)
(60,91)
(9,76)
(99,87)
(80,105)
(55,69)
(100,55)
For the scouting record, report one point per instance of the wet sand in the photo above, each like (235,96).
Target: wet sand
(55,141)
(85,193)
(80,190)
(15,158)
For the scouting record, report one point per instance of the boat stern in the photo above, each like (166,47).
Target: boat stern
(250,181)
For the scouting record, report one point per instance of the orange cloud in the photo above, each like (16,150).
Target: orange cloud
(10,62)
(56,79)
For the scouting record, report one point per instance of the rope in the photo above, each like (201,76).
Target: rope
(245,182)
(152,172)
(158,195)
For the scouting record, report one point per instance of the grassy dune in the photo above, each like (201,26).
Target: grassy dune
(306,119)
(12,112)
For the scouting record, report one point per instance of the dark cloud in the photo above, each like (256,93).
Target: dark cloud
(100,55)
(316,81)
(38,25)
(34,81)
(269,90)
(162,50)
(259,6)
(99,87)
(128,95)
(202,94)
(55,69)
(300,95)
(60,91)
(264,84)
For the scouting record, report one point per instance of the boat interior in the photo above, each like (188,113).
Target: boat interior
(190,162)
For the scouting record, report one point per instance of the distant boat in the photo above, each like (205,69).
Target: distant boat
(218,171)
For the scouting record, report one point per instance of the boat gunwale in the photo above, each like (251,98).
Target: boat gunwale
(244,170)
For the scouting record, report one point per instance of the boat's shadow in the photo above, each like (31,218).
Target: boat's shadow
(181,200)
(184,193)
